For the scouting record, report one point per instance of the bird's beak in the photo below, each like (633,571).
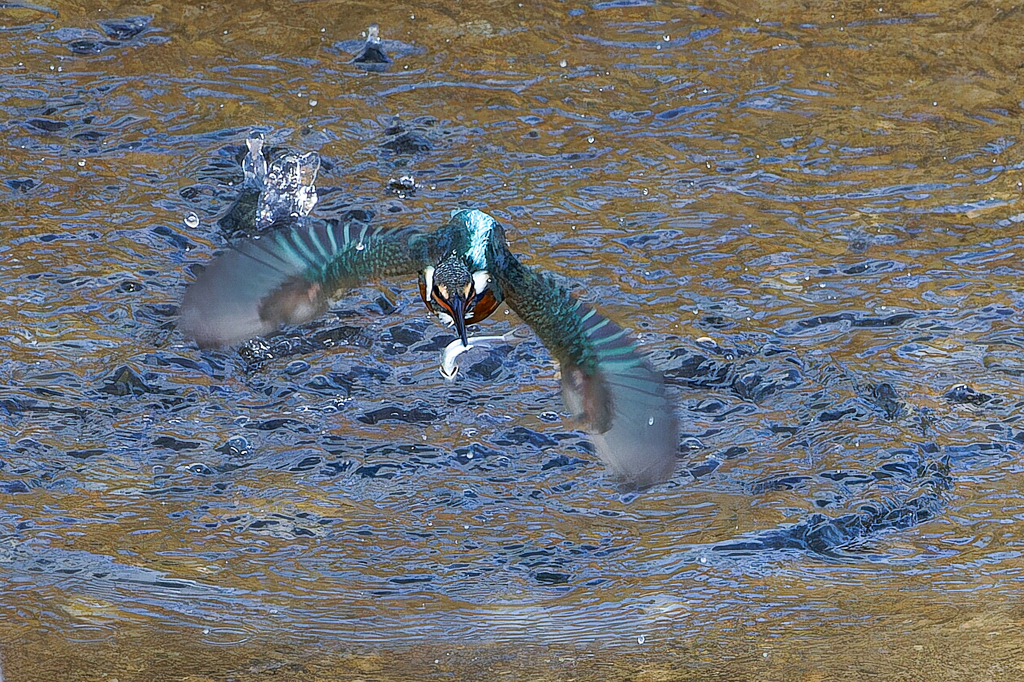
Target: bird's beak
(458,304)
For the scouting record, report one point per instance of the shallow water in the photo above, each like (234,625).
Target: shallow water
(809,215)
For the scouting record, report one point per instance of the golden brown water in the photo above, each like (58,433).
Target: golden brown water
(830,193)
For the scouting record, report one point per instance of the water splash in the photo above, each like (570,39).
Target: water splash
(286,184)
(373,57)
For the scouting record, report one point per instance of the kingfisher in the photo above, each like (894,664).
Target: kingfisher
(290,276)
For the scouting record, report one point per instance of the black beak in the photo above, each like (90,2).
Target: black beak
(458,304)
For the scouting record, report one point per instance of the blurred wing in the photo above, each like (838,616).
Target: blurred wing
(606,383)
(289,277)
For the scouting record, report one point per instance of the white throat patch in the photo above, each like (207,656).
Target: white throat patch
(481,278)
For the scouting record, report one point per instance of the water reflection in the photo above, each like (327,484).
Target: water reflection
(831,196)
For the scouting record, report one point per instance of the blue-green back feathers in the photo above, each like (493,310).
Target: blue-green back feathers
(289,277)
(611,389)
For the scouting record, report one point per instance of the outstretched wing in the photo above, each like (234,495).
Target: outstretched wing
(290,276)
(606,383)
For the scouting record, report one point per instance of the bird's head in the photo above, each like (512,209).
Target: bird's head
(460,288)
(457,295)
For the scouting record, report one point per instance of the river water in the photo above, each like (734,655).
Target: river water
(810,214)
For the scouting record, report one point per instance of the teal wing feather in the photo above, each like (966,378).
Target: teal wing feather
(614,392)
(290,276)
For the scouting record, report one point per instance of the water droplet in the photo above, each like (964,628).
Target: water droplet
(641,639)
(563,63)
(191,220)
(650,422)
(312,102)
(646,192)
(590,139)
(82,162)
(666,38)
(360,246)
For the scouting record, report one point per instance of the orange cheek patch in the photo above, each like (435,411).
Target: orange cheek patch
(483,308)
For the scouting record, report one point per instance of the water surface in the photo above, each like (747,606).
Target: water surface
(808,214)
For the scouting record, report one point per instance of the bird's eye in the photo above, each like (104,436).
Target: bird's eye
(440,296)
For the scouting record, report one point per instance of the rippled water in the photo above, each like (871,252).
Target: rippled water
(809,214)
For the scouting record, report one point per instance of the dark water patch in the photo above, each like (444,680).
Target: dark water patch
(15,487)
(114,34)
(86,454)
(239,220)
(22,407)
(307,463)
(521,435)
(705,468)
(551,578)
(126,28)
(172,238)
(853,320)
(45,125)
(333,383)
(384,470)
(275,424)
(301,341)
(175,444)
(339,467)
(22,185)
(885,398)
(200,469)
(841,412)
(869,267)
(236,448)
(487,369)
(407,142)
(397,339)
(838,537)
(296,367)
(974,455)
(962,394)
(284,526)
(781,483)
(393,413)
(563,462)
(477,454)
(751,378)
(375,57)
(126,381)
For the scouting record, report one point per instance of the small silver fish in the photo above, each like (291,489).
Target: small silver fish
(454,349)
